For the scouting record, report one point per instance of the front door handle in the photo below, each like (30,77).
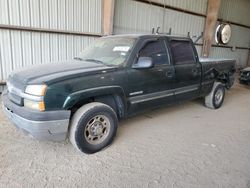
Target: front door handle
(169,74)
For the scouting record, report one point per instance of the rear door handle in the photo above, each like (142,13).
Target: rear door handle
(195,71)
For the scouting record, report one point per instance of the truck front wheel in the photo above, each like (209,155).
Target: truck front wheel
(215,98)
(93,127)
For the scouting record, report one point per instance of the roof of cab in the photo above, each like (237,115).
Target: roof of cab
(148,36)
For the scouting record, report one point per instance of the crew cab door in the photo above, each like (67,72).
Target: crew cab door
(187,69)
(151,86)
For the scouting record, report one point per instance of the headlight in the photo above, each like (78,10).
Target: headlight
(8,86)
(248,74)
(38,90)
(34,105)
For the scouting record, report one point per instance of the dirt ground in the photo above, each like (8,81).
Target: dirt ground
(186,145)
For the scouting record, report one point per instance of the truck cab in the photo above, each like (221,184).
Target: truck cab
(175,73)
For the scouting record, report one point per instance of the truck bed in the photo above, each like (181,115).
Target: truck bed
(220,65)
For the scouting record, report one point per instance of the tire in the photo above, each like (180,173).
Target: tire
(215,98)
(93,127)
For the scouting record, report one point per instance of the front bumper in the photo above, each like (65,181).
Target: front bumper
(244,80)
(49,126)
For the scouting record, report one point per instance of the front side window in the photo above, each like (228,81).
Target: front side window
(182,52)
(157,51)
(111,51)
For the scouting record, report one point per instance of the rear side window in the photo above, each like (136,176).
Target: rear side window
(182,52)
(157,51)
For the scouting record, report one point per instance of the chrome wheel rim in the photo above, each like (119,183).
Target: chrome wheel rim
(97,129)
(218,96)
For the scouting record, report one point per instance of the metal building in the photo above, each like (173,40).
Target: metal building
(185,16)
(43,31)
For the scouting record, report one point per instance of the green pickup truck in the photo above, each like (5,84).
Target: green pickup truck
(115,77)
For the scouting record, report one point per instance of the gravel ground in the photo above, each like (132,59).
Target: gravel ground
(181,146)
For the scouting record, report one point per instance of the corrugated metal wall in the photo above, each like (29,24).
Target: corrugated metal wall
(137,17)
(75,15)
(198,6)
(235,11)
(133,17)
(23,48)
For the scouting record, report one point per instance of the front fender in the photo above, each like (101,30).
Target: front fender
(81,95)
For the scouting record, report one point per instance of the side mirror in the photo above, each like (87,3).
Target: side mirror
(143,63)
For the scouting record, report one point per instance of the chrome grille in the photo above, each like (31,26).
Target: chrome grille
(14,94)
(245,73)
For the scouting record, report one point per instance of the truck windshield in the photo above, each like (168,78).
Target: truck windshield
(110,51)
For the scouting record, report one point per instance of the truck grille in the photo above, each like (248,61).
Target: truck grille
(13,94)
(16,99)
(245,74)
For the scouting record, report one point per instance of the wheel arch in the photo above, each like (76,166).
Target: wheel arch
(113,96)
(225,77)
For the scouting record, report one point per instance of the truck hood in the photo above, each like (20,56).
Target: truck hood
(246,69)
(39,74)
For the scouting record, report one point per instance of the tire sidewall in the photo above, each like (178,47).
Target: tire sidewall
(219,87)
(80,139)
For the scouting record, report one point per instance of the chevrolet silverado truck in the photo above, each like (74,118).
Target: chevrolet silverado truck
(115,77)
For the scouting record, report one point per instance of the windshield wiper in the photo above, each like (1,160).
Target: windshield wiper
(78,58)
(94,60)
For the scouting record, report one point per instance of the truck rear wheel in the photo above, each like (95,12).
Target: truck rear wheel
(215,98)
(93,127)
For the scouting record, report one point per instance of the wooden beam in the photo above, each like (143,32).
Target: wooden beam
(2,83)
(248,64)
(212,15)
(108,16)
